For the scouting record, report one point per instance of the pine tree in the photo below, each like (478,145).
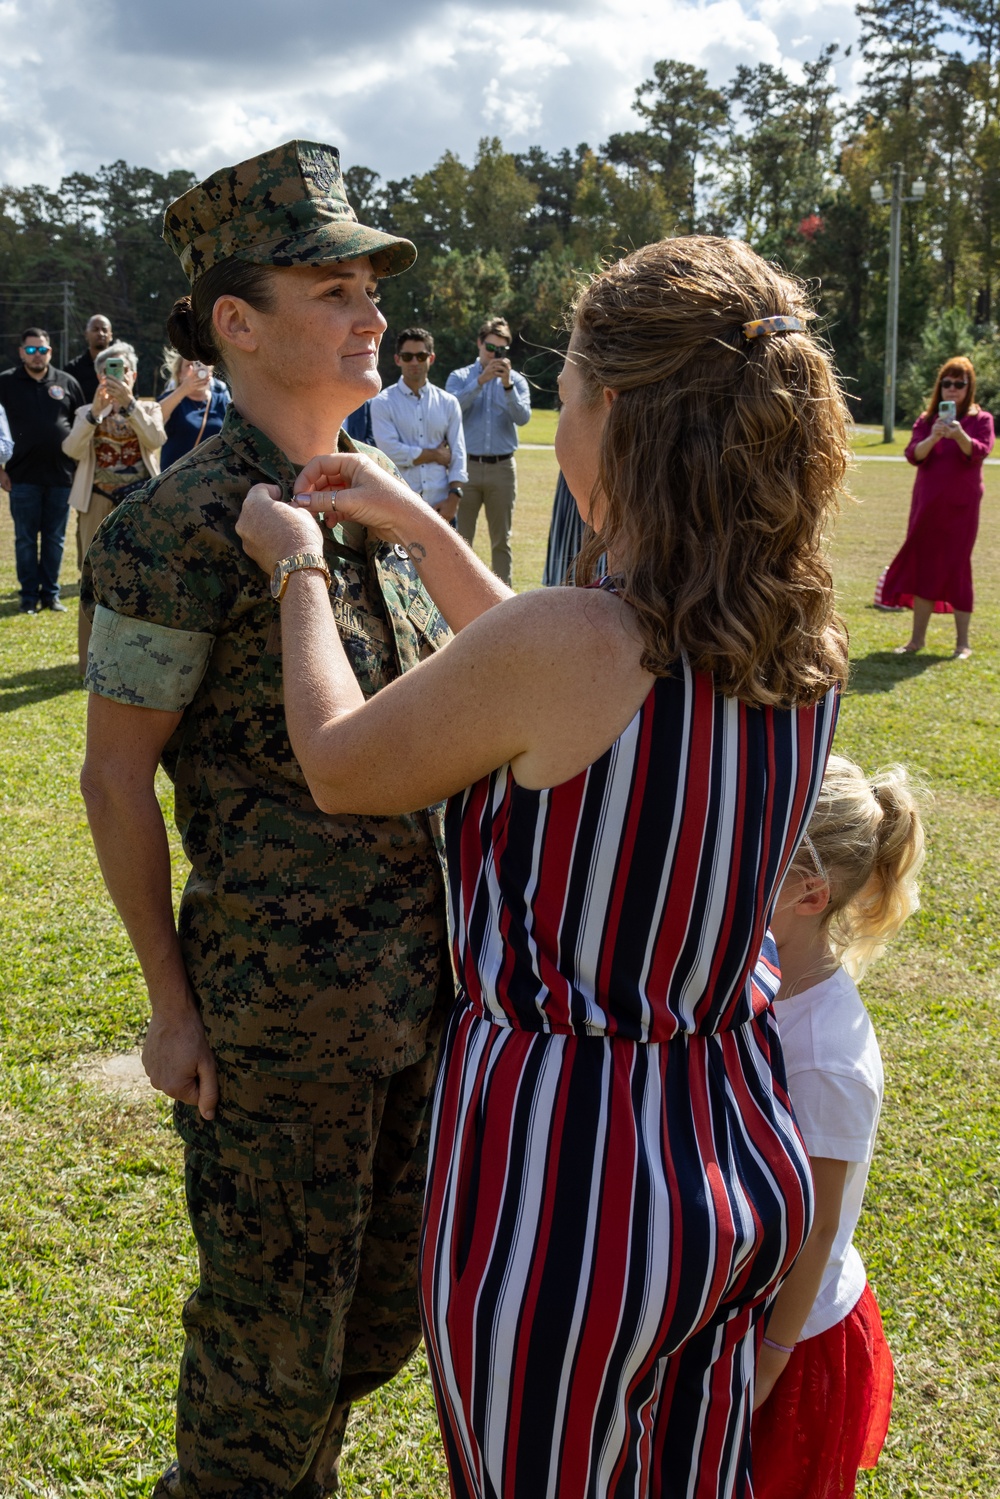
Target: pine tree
(978,22)
(899,42)
(684,118)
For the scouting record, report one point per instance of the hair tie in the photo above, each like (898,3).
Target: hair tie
(764,327)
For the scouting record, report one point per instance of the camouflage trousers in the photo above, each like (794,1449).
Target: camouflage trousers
(306,1200)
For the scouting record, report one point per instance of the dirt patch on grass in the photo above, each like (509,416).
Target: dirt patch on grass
(122,1074)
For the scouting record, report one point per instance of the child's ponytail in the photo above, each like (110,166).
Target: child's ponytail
(869,840)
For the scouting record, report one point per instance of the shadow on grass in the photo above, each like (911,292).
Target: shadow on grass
(38,686)
(10,603)
(881,671)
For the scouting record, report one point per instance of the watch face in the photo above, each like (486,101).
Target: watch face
(276,580)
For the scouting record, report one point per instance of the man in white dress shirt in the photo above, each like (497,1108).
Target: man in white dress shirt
(419,426)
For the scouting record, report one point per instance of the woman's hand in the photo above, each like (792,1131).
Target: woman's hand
(770,1367)
(270,530)
(102,402)
(119,392)
(345,486)
(940,429)
(194,385)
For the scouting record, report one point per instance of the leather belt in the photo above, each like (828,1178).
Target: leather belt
(489,457)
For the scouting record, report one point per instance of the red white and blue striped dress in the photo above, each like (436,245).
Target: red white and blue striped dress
(616,1182)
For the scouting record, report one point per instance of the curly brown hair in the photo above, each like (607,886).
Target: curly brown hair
(721,459)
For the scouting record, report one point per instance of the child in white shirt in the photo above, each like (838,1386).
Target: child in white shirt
(824,1374)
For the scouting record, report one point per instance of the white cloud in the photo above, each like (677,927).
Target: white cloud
(510,112)
(195,85)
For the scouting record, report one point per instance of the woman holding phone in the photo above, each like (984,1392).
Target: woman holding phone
(932,571)
(616,1184)
(116,441)
(193,403)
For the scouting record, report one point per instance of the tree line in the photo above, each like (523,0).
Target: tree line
(781,161)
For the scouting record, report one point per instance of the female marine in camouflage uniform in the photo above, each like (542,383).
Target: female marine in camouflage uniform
(296,1007)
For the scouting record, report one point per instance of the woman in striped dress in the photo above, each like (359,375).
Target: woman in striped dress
(616,1185)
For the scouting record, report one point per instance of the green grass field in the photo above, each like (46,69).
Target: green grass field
(95,1251)
(866,441)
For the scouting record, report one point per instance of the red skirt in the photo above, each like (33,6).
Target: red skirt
(828,1414)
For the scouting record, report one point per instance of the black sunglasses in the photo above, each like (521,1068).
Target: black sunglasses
(423,356)
(36,348)
(945,384)
(497,348)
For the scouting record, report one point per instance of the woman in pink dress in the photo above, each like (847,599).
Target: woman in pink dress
(932,571)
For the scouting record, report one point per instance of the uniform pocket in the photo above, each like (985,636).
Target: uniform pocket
(246,1196)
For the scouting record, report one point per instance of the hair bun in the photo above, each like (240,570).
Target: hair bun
(183,333)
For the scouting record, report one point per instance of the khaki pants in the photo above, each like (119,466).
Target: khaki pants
(492,487)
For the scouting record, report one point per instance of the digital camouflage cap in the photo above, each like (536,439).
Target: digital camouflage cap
(284,207)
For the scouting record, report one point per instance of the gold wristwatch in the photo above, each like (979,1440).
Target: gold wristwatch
(288,565)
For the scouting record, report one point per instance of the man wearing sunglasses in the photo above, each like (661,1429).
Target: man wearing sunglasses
(419,426)
(40,402)
(495,401)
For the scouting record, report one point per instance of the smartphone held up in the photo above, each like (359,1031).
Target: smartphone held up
(947,410)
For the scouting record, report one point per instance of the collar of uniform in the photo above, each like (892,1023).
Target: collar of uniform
(378,552)
(346,534)
(258,451)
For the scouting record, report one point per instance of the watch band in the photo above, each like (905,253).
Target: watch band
(301,560)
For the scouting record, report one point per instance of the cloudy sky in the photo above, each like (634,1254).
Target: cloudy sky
(199,84)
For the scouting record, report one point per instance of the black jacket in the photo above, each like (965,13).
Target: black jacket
(40,413)
(83,372)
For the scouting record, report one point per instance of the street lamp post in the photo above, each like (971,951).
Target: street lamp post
(896,201)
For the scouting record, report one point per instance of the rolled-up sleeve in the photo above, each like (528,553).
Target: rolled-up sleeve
(148,665)
(518,399)
(458,469)
(157,582)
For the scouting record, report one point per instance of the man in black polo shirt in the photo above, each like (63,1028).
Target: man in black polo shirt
(39,402)
(99,336)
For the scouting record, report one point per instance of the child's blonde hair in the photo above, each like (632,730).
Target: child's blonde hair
(867,839)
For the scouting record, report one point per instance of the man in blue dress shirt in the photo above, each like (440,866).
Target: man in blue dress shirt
(495,401)
(419,426)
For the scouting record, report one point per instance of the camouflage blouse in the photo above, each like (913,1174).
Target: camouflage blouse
(313,942)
